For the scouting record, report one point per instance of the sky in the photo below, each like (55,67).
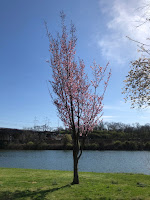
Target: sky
(102,27)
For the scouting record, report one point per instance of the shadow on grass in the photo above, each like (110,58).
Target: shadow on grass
(34,195)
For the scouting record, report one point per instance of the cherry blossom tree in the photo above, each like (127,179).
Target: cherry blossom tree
(78,104)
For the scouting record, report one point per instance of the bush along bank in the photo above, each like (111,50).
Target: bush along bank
(116,145)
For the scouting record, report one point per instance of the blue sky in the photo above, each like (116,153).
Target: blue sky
(102,27)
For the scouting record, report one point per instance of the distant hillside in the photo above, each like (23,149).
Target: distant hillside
(116,136)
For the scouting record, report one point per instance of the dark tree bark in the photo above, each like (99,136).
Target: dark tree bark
(75,163)
(75,158)
(77,152)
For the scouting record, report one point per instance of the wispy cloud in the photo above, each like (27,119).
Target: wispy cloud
(120,106)
(108,118)
(124,18)
(122,112)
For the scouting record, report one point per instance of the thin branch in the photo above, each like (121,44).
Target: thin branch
(137,41)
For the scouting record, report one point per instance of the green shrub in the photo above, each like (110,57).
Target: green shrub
(30,143)
(117,145)
(147,146)
(42,146)
(15,146)
(68,147)
(130,145)
(92,146)
(29,146)
(101,146)
(67,140)
(140,146)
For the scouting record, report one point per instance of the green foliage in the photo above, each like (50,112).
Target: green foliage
(117,145)
(30,143)
(95,146)
(67,140)
(100,135)
(147,146)
(101,145)
(129,145)
(116,136)
(15,146)
(92,146)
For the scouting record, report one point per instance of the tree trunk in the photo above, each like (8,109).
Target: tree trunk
(75,166)
(75,159)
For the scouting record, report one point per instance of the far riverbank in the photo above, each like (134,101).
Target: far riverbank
(129,138)
(100,145)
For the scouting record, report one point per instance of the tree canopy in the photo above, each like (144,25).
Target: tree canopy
(137,83)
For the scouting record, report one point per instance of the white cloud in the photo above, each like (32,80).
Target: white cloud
(108,118)
(121,112)
(120,106)
(123,19)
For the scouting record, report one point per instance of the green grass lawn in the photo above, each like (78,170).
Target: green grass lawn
(27,184)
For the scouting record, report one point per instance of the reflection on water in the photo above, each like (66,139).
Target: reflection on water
(91,161)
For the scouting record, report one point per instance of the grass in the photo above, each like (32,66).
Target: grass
(29,184)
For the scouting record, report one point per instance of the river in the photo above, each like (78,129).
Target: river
(91,161)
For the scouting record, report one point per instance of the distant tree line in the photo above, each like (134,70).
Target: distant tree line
(120,136)
(105,136)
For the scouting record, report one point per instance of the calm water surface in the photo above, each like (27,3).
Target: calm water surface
(91,161)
